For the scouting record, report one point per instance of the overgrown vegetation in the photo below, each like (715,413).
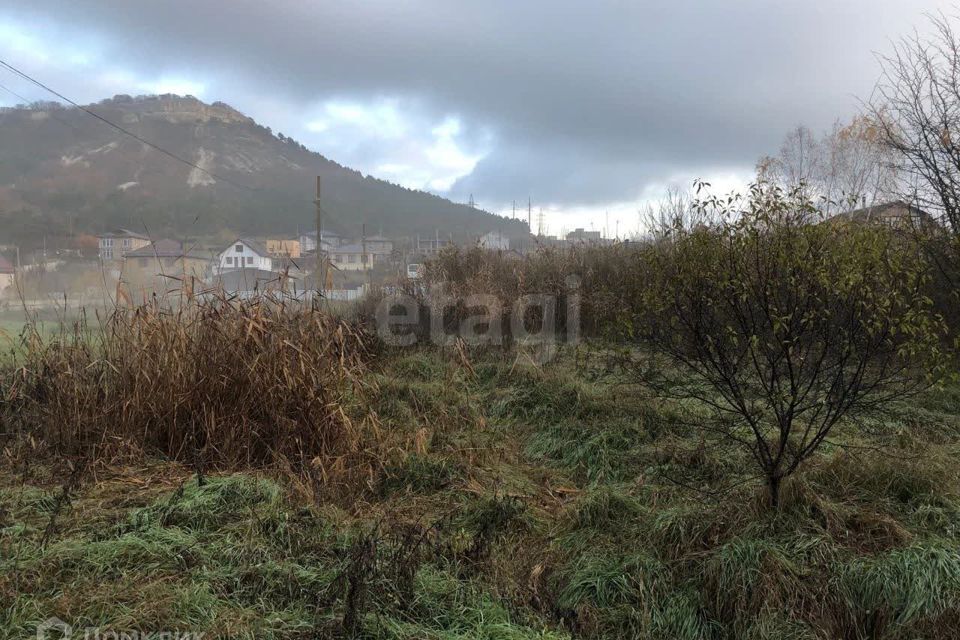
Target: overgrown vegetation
(783,326)
(254,468)
(217,383)
(489,519)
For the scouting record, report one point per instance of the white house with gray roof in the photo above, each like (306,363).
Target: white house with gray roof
(244,254)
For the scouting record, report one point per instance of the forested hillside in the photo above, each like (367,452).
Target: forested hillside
(62,173)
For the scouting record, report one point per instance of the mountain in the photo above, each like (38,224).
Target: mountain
(64,173)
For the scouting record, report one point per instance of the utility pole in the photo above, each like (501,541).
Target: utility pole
(363,243)
(363,254)
(318,275)
(529,215)
(514,209)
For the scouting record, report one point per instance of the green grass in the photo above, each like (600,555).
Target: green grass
(511,502)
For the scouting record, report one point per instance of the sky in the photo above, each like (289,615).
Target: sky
(590,109)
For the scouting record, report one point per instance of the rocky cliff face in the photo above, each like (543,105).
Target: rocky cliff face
(63,171)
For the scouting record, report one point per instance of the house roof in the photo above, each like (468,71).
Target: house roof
(886,211)
(257,247)
(5,266)
(124,233)
(164,249)
(236,280)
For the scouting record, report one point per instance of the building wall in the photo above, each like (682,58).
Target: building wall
(144,276)
(380,246)
(143,270)
(240,256)
(284,248)
(307,243)
(117,248)
(6,281)
(431,247)
(351,261)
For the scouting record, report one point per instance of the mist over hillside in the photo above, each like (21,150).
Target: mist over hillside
(63,173)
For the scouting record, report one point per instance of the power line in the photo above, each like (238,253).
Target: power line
(170,154)
(123,130)
(15,94)
(27,101)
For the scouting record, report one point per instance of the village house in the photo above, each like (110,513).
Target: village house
(431,246)
(351,257)
(116,244)
(308,241)
(283,248)
(162,264)
(897,214)
(580,235)
(244,254)
(378,245)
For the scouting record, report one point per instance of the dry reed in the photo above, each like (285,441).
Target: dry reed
(218,382)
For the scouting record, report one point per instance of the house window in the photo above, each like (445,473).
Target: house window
(352,257)
(143,261)
(249,259)
(126,243)
(229,261)
(108,254)
(238,248)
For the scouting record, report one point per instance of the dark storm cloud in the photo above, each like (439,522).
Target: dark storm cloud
(584,102)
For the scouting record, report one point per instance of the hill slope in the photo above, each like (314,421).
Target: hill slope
(63,172)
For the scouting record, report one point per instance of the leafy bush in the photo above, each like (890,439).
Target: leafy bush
(784,326)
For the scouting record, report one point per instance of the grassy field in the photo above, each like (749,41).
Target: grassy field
(14,324)
(512,502)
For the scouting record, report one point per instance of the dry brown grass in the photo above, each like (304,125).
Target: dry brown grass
(219,383)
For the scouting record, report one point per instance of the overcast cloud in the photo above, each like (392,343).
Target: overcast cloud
(585,106)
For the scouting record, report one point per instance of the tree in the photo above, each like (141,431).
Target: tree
(917,107)
(783,328)
(857,167)
(672,210)
(800,161)
(844,169)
